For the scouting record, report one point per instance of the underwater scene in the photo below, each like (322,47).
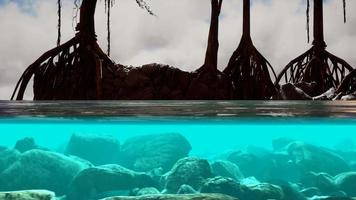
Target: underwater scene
(193,151)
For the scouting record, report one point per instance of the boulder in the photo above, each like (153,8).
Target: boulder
(26,144)
(265,167)
(349,97)
(249,164)
(186,189)
(280,144)
(328,95)
(347,183)
(176,197)
(263,191)
(323,181)
(316,159)
(309,88)
(98,149)
(311,191)
(190,170)
(291,92)
(92,182)
(255,191)
(28,195)
(226,169)
(290,190)
(41,169)
(148,152)
(145,191)
(223,185)
(7,158)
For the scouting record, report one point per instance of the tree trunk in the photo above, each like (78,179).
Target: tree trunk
(211,56)
(246,20)
(318,24)
(86,26)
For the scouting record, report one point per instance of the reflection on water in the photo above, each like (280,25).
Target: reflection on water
(222,109)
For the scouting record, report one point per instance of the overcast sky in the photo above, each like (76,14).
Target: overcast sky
(177,36)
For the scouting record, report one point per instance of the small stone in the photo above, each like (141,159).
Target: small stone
(28,195)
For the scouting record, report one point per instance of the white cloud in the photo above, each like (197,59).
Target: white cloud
(176,37)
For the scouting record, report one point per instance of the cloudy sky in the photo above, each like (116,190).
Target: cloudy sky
(177,36)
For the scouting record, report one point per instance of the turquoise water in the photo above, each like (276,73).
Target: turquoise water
(313,135)
(205,135)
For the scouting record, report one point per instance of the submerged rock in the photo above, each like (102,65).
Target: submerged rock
(149,152)
(323,181)
(316,159)
(253,191)
(266,166)
(223,185)
(41,169)
(192,171)
(94,181)
(186,189)
(98,149)
(176,197)
(26,144)
(291,191)
(347,183)
(310,192)
(7,158)
(249,164)
(263,191)
(280,144)
(145,191)
(226,169)
(28,195)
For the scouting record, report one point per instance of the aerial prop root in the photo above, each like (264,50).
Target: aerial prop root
(60,52)
(299,69)
(247,65)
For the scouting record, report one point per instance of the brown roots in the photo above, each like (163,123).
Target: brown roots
(55,69)
(315,65)
(250,73)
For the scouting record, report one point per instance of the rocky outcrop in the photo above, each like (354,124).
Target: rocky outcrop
(161,82)
(92,182)
(176,197)
(98,149)
(192,171)
(149,152)
(28,195)
(41,169)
